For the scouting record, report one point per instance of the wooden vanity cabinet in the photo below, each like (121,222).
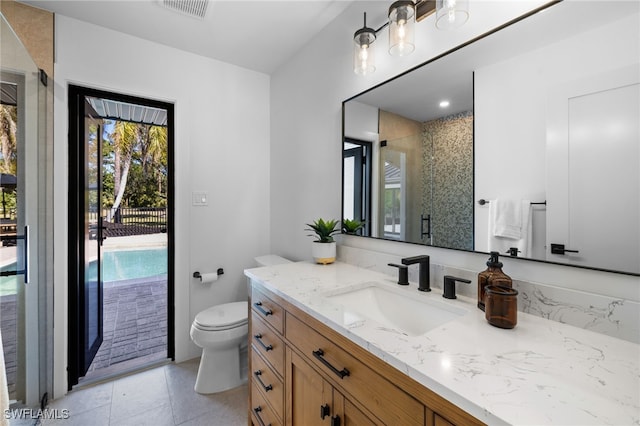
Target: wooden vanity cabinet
(266,361)
(326,379)
(314,401)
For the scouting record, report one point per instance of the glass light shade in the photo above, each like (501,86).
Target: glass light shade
(364,58)
(401,28)
(451,13)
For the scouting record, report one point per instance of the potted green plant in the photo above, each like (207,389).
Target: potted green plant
(323,249)
(351,226)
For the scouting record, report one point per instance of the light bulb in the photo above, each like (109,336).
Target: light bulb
(401,29)
(451,13)
(363,56)
(451,10)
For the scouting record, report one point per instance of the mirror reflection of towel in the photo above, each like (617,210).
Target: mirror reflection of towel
(510,231)
(507,218)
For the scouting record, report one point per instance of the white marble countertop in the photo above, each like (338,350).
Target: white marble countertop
(539,373)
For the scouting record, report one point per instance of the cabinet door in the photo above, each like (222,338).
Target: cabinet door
(311,396)
(349,414)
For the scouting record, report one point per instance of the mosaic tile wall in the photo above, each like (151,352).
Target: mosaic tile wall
(447,179)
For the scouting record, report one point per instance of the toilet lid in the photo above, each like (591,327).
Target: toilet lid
(223,316)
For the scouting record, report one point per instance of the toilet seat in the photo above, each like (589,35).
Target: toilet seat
(222,317)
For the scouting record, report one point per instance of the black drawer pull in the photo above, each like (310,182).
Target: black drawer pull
(257,374)
(324,411)
(258,337)
(340,373)
(259,307)
(335,421)
(257,410)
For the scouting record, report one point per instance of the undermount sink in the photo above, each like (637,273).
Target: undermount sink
(413,315)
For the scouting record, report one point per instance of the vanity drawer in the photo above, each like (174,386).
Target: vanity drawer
(267,342)
(268,310)
(268,382)
(386,401)
(260,410)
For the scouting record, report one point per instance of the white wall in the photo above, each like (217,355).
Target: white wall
(306,97)
(221,146)
(361,121)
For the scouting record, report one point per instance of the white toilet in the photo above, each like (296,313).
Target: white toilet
(221,331)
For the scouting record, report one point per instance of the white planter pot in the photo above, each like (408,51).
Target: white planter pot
(323,253)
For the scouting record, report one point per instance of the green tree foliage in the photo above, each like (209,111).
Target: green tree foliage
(8,155)
(135,169)
(8,147)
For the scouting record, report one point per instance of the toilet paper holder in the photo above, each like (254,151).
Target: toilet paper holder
(197,274)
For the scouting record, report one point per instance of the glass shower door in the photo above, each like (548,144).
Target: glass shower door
(21,109)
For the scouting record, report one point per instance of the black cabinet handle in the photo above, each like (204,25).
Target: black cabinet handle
(335,421)
(257,410)
(559,249)
(257,375)
(340,373)
(324,411)
(264,312)
(258,338)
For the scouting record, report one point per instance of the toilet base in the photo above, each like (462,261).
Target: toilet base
(219,370)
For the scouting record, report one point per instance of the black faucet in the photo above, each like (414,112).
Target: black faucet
(403,273)
(423,275)
(450,286)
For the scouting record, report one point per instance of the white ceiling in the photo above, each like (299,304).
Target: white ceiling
(260,35)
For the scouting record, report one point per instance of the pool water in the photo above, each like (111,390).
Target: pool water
(131,264)
(9,285)
(116,265)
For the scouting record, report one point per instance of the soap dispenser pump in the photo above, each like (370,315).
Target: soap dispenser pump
(493,275)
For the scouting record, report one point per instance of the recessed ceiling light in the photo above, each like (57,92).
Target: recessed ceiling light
(444,104)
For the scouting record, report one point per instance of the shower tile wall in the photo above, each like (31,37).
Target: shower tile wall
(447,173)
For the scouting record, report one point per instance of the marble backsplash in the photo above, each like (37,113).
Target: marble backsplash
(612,316)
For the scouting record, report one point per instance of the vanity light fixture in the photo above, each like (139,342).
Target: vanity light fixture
(403,14)
(401,23)
(363,54)
(444,104)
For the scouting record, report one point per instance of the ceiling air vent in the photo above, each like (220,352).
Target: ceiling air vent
(196,8)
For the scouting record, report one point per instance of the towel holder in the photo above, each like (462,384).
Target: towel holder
(482,202)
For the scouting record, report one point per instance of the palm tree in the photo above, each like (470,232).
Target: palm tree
(154,145)
(147,142)
(125,139)
(8,119)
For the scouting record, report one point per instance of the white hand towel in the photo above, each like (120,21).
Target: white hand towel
(507,218)
(523,244)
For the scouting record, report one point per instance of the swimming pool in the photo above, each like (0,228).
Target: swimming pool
(121,265)
(8,285)
(116,266)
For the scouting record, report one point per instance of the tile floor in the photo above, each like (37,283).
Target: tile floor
(157,397)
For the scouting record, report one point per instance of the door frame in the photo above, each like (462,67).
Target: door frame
(363,162)
(75,263)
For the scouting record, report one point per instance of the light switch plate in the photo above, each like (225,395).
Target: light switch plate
(200,198)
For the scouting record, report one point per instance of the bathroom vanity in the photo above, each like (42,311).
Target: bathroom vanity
(343,345)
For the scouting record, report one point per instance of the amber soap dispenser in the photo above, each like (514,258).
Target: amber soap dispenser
(493,275)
